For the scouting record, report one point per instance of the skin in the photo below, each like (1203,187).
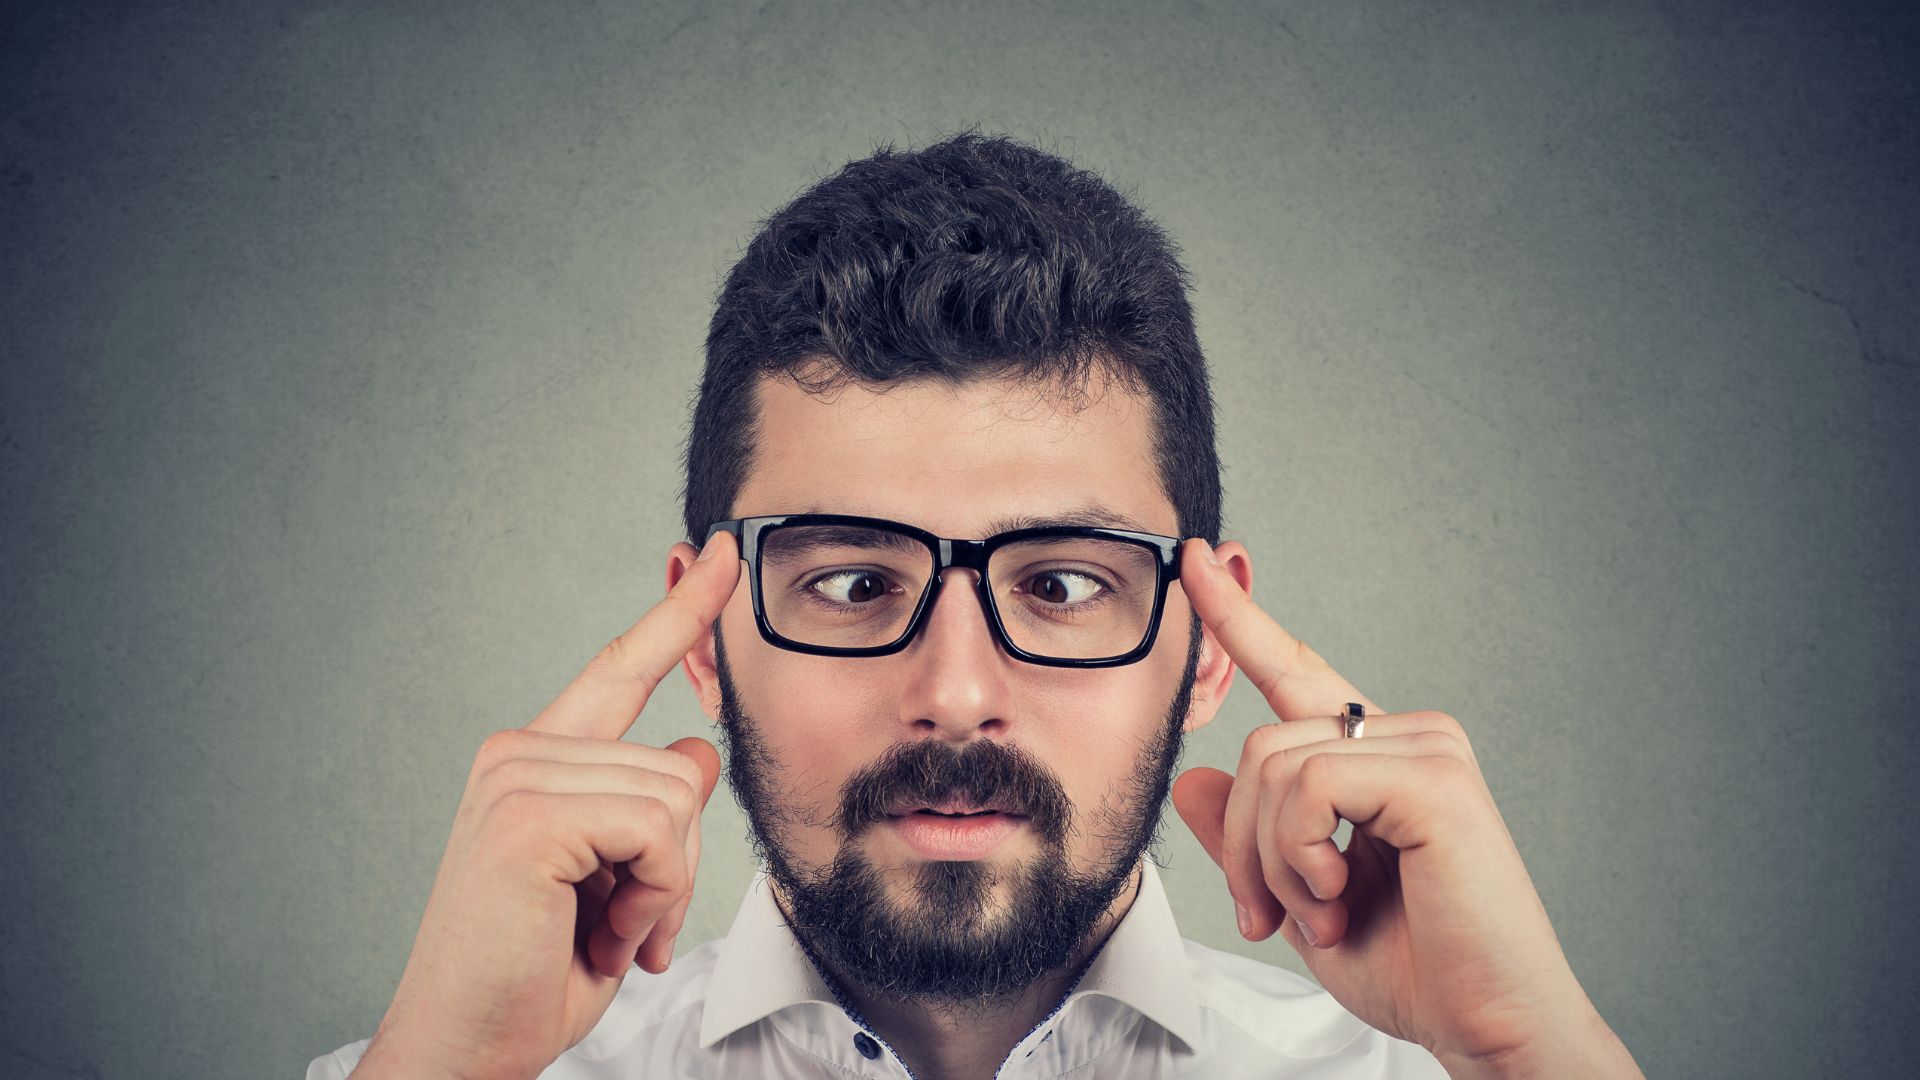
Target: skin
(953,461)
(1430,928)
(1427,926)
(573,851)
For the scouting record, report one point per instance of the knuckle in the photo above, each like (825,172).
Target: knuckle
(1315,773)
(1262,741)
(1454,730)
(497,778)
(1459,780)
(1267,681)
(499,746)
(681,800)
(1303,661)
(623,660)
(515,812)
(675,881)
(1239,868)
(663,859)
(658,815)
(1280,881)
(1307,659)
(679,875)
(1278,768)
(514,773)
(1296,830)
(673,921)
(611,655)
(682,768)
(1230,867)
(1233,616)
(1446,725)
(1436,743)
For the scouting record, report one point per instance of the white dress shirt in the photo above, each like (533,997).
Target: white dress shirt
(1151,1004)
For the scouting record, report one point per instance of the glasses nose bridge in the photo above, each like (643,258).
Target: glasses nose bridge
(965,554)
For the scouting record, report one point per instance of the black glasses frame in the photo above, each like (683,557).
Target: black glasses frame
(951,552)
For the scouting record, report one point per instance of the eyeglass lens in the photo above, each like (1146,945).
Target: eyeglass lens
(1066,597)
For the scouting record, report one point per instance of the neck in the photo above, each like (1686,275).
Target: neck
(946,1042)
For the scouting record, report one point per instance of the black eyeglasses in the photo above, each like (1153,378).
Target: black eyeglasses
(1060,595)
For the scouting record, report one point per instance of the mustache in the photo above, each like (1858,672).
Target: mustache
(984,771)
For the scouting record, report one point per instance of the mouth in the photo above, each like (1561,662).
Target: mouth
(953,830)
(952,808)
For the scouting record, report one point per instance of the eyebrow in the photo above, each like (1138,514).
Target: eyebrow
(1087,516)
(793,543)
(1091,515)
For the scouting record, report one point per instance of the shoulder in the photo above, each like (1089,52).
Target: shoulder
(1251,1002)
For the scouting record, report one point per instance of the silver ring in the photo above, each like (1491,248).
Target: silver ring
(1355,721)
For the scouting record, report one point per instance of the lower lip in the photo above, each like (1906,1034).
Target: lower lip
(943,838)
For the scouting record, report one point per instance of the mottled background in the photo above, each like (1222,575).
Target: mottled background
(1567,361)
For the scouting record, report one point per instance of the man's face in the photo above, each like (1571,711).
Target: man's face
(820,749)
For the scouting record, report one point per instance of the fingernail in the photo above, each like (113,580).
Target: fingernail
(708,550)
(1212,559)
(1306,932)
(1246,918)
(1314,888)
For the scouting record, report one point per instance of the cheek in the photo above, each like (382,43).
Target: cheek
(1097,727)
(814,735)
(810,717)
(1101,778)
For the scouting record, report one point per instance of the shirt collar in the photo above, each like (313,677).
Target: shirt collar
(762,969)
(1144,964)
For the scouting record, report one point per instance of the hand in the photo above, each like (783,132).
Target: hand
(572,856)
(1427,926)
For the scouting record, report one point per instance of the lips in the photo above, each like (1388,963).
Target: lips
(953,830)
(950,807)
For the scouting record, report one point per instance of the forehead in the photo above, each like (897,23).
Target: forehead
(961,460)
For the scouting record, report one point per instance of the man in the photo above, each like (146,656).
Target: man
(957,603)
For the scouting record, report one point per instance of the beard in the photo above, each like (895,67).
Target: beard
(947,946)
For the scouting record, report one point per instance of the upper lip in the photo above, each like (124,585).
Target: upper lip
(947,806)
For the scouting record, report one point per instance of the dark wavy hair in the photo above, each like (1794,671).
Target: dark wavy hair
(975,257)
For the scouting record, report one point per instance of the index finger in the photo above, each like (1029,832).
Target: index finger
(1293,678)
(604,700)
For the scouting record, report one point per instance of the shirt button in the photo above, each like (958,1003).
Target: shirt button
(867,1047)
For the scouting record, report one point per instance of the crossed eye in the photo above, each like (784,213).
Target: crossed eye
(863,586)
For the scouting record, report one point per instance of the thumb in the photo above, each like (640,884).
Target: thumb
(1200,795)
(703,755)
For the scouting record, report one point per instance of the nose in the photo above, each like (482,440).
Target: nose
(956,684)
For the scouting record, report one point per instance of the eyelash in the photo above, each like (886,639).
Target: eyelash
(807,588)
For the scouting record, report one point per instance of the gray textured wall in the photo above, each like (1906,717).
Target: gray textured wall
(1567,362)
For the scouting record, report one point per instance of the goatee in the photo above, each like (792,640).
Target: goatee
(947,943)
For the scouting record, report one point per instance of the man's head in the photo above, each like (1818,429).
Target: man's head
(973,258)
(966,339)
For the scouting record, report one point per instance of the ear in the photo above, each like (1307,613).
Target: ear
(703,670)
(1213,674)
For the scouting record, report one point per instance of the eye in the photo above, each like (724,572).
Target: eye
(1064,587)
(851,586)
